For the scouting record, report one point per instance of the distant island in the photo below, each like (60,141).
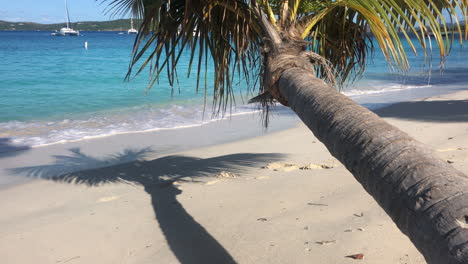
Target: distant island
(112,25)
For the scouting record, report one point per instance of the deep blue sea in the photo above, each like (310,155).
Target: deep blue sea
(53,90)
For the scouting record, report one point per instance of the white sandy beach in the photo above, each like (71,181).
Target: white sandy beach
(246,201)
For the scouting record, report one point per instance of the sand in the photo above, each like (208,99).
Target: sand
(278,197)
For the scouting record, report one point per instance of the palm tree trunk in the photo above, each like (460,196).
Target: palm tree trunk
(426,197)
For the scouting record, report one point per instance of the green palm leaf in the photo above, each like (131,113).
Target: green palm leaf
(235,35)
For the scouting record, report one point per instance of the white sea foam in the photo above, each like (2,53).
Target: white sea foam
(137,119)
(131,120)
(380,89)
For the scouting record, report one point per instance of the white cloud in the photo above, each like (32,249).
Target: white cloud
(47,19)
(14,19)
(3,14)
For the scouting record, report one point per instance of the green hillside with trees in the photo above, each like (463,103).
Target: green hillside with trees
(113,25)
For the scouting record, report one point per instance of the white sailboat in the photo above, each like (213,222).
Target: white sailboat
(66,31)
(132,30)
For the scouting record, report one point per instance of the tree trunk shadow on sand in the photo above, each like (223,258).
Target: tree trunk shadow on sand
(189,241)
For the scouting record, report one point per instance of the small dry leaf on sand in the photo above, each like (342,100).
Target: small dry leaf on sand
(317,204)
(356,256)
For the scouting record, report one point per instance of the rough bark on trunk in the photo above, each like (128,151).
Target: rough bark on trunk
(426,197)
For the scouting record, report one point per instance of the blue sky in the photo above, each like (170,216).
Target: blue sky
(52,11)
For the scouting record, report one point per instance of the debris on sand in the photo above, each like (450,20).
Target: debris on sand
(352,230)
(317,204)
(276,166)
(313,166)
(356,256)
(325,242)
(359,215)
(226,175)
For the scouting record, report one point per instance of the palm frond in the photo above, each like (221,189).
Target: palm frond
(125,7)
(224,32)
(337,24)
(236,36)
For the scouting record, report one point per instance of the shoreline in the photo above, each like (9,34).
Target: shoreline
(372,99)
(151,130)
(160,142)
(283,119)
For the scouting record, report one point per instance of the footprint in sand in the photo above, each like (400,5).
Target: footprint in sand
(107,199)
(447,149)
(276,166)
(222,176)
(177,184)
(226,175)
(212,182)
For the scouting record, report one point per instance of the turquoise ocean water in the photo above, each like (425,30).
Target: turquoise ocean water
(54,90)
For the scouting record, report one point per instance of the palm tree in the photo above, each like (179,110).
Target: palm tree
(299,51)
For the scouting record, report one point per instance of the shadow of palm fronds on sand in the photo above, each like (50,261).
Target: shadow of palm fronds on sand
(190,242)
(431,111)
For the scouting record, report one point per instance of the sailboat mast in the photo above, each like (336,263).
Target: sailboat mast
(68,16)
(131,22)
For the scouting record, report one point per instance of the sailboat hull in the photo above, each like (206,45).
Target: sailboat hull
(132,30)
(66,31)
